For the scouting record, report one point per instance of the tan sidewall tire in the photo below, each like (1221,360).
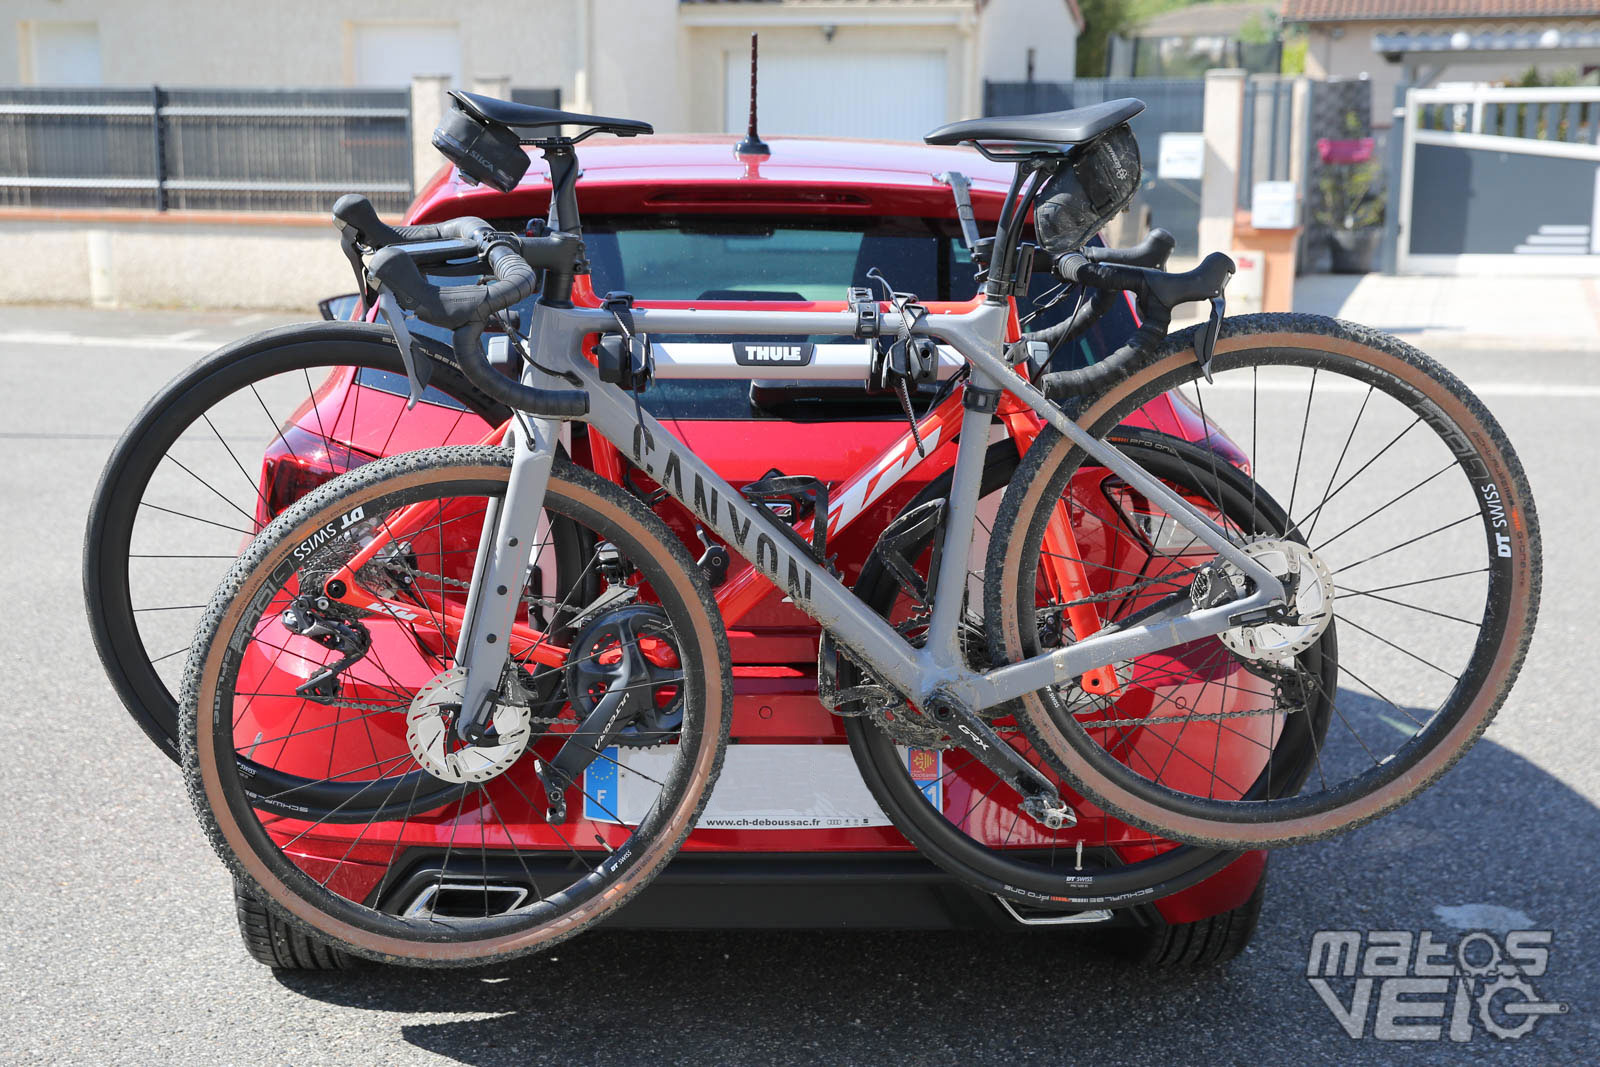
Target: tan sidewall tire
(581,489)
(1389,356)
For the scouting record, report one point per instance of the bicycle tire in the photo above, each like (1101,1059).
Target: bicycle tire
(1478,448)
(998,871)
(226,809)
(125,479)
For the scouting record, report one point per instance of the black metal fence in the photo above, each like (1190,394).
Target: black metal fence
(206,149)
(1172,105)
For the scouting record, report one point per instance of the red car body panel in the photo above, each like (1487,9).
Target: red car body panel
(774,645)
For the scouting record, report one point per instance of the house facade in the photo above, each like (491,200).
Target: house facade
(1425,42)
(863,68)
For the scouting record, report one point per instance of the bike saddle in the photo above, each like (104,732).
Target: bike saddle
(525,116)
(1076,126)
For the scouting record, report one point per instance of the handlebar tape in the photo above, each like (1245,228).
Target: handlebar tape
(355,214)
(466,308)
(1151,252)
(1157,294)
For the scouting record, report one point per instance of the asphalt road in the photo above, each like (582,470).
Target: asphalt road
(117,942)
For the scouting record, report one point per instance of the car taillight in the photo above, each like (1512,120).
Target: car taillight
(297,462)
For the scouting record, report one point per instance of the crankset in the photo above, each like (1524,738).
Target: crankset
(625,680)
(1041,800)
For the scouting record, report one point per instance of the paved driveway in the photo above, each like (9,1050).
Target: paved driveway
(117,945)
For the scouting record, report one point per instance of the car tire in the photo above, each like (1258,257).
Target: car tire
(1203,943)
(278,945)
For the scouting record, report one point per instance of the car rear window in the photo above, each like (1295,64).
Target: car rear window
(775,258)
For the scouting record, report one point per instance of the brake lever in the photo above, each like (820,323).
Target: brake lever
(417,374)
(1205,342)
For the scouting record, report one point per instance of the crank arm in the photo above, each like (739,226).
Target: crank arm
(597,730)
(1041,800)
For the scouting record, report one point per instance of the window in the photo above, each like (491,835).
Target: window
(774,258)
(63,53)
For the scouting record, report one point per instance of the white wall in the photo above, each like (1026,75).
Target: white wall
(172,261)
(1009,28)
(298,43)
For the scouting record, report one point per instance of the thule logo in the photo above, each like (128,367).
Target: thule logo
(755,355)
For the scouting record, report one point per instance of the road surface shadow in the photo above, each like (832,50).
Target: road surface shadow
(1495,830)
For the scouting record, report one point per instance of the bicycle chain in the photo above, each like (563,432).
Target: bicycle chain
(1180,720)
(916,735)
(1121,591)
(358,705)
(545,602)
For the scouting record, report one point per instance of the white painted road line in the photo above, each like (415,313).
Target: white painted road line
(1485,390)
(184,342)
(180,342)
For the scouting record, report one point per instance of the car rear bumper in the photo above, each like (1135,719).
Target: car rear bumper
(810,891)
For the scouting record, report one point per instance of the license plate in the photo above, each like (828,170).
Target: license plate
(762,787)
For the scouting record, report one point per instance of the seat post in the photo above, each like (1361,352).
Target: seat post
(563,160)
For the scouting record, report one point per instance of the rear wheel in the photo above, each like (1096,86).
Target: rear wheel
(1202,943)
(947,803)
(281,945)
(215,455)
(493,867)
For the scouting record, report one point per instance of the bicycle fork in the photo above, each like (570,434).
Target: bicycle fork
(505,554)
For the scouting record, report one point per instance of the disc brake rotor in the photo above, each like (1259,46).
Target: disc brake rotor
(1309,610)
(430,732)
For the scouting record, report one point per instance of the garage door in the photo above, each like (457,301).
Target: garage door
(838,93)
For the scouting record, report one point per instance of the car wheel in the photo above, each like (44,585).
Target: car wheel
(1204,943)
(273,942)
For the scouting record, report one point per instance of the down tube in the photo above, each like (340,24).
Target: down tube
(754,533)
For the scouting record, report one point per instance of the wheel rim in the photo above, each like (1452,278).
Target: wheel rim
(494,835)
(984,838)
(180,498)
(1464,441)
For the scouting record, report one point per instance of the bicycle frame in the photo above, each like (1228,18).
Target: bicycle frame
(919,673)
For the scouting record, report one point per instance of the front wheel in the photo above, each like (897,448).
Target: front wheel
(1409,529)
(522,848)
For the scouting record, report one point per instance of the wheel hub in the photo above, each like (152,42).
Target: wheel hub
(430,732)
(1308,585)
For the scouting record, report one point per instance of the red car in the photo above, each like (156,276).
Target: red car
(792,837)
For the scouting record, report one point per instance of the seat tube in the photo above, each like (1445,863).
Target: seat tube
(497,583)
(960,519)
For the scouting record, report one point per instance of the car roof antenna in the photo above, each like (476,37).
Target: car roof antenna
(752,145)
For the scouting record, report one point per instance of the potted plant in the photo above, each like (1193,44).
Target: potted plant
(1349,204)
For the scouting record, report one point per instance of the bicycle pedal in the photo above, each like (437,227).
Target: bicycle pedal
(1052,813)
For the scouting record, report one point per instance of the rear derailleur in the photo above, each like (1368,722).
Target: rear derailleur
(311,617)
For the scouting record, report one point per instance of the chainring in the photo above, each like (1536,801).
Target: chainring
(594,663)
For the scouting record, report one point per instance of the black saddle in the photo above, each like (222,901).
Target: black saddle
(526,116)
(1076,126)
